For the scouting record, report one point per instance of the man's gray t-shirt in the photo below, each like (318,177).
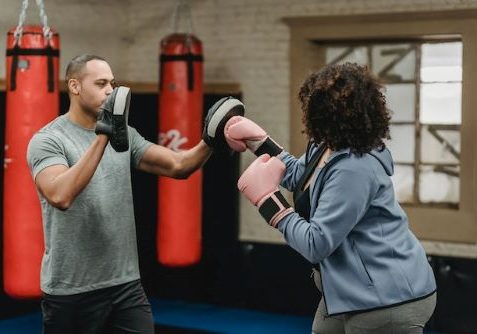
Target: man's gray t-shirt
(92,244)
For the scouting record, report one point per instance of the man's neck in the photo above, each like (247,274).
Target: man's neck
(81,117)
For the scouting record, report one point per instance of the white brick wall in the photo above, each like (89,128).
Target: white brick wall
(245,42)
(85,26)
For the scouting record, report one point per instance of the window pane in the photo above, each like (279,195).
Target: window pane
(440,146)
(403,181)
(437,90)
(441,103)
(439,186)
(400,99)
(347,54)
(394,62)
(402,142)
(441,62)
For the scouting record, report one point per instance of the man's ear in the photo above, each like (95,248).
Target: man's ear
(74,86)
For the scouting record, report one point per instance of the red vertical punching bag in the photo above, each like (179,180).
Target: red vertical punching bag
(32,100)
(180,127)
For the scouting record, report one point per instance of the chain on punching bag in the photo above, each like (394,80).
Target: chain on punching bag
(32,100)
(180,123)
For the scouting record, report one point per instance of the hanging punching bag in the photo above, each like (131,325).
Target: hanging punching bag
(180,126)
(32,100)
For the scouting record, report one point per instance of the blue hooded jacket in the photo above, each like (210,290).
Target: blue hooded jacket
(357,233)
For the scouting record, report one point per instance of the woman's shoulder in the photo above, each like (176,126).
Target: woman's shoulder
(346,160)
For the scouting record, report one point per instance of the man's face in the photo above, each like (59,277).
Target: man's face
(95,84)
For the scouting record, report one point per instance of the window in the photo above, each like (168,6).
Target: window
(427,60)
(423,81)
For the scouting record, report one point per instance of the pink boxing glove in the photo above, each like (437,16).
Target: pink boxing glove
(259,183)
(242,133)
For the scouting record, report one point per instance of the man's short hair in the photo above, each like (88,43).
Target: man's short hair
(77,65)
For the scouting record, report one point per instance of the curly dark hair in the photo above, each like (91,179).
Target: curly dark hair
(344,107)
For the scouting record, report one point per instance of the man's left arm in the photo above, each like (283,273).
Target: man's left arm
(163,161)
(160,160)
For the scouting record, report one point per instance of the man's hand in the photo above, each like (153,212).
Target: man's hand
(104,122)
(242,133)
(112,118)
(217,117)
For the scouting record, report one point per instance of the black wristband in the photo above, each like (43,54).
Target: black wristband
(270,207)
(269,147)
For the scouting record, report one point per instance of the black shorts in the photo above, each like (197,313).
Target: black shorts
(117,310)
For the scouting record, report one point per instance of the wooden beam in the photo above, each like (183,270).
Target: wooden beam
(219,88)
(386,17)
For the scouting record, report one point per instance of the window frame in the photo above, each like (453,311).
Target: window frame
(415,47)
(430,223)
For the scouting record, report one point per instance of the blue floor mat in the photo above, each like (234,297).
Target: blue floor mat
(173,316)
(217,319)
(26,324)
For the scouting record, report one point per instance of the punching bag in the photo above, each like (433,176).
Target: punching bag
(32,100)
(180,127)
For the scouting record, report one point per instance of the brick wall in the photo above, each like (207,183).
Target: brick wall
(245,42)
(85,26)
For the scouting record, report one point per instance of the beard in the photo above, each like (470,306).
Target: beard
(90,109)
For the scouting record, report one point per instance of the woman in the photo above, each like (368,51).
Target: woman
(372,271)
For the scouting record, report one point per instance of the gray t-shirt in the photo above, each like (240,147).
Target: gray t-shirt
(92,244)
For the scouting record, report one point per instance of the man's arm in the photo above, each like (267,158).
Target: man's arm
(160,160)
(60,185)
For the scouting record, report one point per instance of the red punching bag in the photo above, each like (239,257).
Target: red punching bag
(32,100)
(180,128)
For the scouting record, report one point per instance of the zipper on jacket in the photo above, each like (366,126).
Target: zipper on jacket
(320,178)
(317,267)
(323,292)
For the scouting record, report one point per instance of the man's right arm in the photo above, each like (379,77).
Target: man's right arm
(60,184)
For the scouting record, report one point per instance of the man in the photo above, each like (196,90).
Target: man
(80,163)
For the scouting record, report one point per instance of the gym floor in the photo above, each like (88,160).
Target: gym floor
(178,317)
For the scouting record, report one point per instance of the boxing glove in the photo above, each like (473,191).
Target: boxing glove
(242,133)
(217,117)
(259,183)
(112,119)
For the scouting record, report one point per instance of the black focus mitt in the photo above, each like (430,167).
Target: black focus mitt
(217,117)
(113,118)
